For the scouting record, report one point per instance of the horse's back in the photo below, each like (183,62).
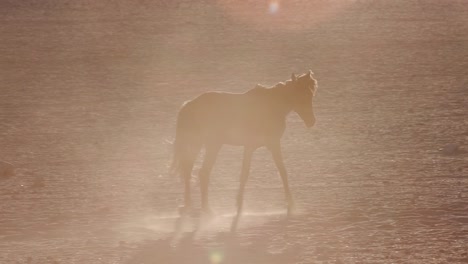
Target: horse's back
(210,107)
(232,118)
(212,102)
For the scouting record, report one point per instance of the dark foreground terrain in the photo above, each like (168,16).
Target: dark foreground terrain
(89,94)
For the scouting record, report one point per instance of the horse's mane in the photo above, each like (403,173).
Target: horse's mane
(260,88)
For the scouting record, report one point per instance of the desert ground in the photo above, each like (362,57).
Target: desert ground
(90,92)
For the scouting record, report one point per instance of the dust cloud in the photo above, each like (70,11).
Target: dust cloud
(89,95)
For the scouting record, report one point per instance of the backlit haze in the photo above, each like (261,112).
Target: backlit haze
(90,92)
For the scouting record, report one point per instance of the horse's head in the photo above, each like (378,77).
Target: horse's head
(304,87)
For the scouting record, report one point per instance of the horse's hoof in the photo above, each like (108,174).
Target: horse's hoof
(185,210)
(235,223)
(291,210)
(207,213)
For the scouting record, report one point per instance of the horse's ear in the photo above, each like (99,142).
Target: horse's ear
(311,74)
(293,77)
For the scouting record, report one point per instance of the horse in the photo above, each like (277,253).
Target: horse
(253,119)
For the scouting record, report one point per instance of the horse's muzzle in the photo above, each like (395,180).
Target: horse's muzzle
(310,123)
(307,116)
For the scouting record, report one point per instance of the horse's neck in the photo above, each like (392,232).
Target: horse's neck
(278,95)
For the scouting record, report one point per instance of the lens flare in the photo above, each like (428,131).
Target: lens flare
(216,257)
(273,7)
(277,15)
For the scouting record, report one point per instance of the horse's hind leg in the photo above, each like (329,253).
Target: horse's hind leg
(275,150)
(211,152)
(186,173)
(243,180)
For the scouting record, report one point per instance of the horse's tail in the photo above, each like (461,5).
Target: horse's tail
(178,149)
(182,145)
(176,156)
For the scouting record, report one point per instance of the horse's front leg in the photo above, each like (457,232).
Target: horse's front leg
(275,149)
(186,175)
(248,151)
(211,152)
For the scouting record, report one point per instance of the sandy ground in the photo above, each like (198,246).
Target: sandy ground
(89,95)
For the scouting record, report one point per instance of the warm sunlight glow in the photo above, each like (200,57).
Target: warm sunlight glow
(216,257)
(283,15)
(273,7)
(233,131)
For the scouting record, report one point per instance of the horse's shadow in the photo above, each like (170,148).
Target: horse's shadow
(250,245)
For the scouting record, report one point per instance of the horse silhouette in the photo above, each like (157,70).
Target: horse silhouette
(252,119)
